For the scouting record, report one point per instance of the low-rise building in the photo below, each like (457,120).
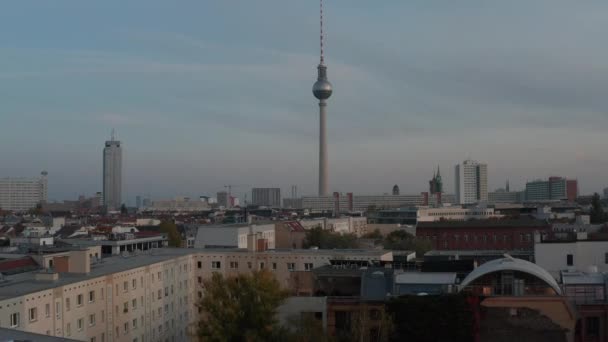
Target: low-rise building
(495,234)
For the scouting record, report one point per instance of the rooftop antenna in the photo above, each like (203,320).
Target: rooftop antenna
(113,135)
(321,21)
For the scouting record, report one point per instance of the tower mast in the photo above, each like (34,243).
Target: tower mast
(322,90)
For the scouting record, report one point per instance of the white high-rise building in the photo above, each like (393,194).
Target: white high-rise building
(471,180)
(21,194)
(112,174)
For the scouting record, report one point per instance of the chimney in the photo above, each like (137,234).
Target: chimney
(79,261)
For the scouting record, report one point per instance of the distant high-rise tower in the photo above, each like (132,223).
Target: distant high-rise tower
(112,174)
(396,190)
(322,90)
(471,180)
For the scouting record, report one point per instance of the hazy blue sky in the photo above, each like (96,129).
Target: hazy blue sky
(207,93)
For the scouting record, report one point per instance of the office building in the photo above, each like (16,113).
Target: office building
(21,194)
(552,189)
(112,174)
(138,202)
(471,180)
(503,196)
(266,197)
(222,199)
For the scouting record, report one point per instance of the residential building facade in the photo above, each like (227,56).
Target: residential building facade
(22,194)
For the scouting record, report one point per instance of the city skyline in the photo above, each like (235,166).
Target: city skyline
(435,90)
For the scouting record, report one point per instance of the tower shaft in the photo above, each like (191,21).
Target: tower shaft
(323,191)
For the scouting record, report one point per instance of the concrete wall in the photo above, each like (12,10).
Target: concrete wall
(293,307)
(553,256)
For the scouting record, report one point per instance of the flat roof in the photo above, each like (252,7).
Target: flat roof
(24,283)
(491,223)
(425,278)
(7,335)
(476,252)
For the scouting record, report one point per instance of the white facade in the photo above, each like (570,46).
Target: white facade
(22,194)
(455,213)
(471,181)
(226,236)
(555,256)
(362,202)
(112,174)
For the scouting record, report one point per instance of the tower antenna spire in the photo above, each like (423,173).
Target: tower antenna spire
(113,135)
(322,36)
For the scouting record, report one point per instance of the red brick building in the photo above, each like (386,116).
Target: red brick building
(482,234)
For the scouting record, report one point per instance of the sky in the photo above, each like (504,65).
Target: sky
(208,93)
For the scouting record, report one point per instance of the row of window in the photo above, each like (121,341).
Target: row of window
(291,266)
(481,237)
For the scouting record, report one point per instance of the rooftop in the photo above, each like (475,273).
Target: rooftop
(426,278)
(24,283)
(503,223)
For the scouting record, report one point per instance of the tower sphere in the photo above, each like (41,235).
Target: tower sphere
(322,89)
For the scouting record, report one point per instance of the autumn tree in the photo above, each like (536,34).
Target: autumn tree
(241,308)
(402,240)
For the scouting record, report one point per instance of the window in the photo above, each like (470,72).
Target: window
(68,329)
(102,293)
(291,266)
(160,294)
(215,265)
(117,332)
(126,327)
(33,314)
(249,265)
(91,296)
(135,323)
(199,264)
(93,339)
(47,310)
(125,286)
(274,266)
(92,320)
(103,316)
(592,326)
(261,265)
(134,304)
(125,307)
(606,258)
(308,266)
(79,300)
(80,324)
(159,275)
(134,284)
(569,260)
(103,337)
(166,291)
(171,289)
(234,264)
(200,279)
(58,310)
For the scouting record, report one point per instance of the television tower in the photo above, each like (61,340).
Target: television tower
(322,90)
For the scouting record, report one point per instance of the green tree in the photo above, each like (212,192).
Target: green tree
(326,239)
(402,240)
(597,214)
(241,308)
(373,235)
(169,228)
